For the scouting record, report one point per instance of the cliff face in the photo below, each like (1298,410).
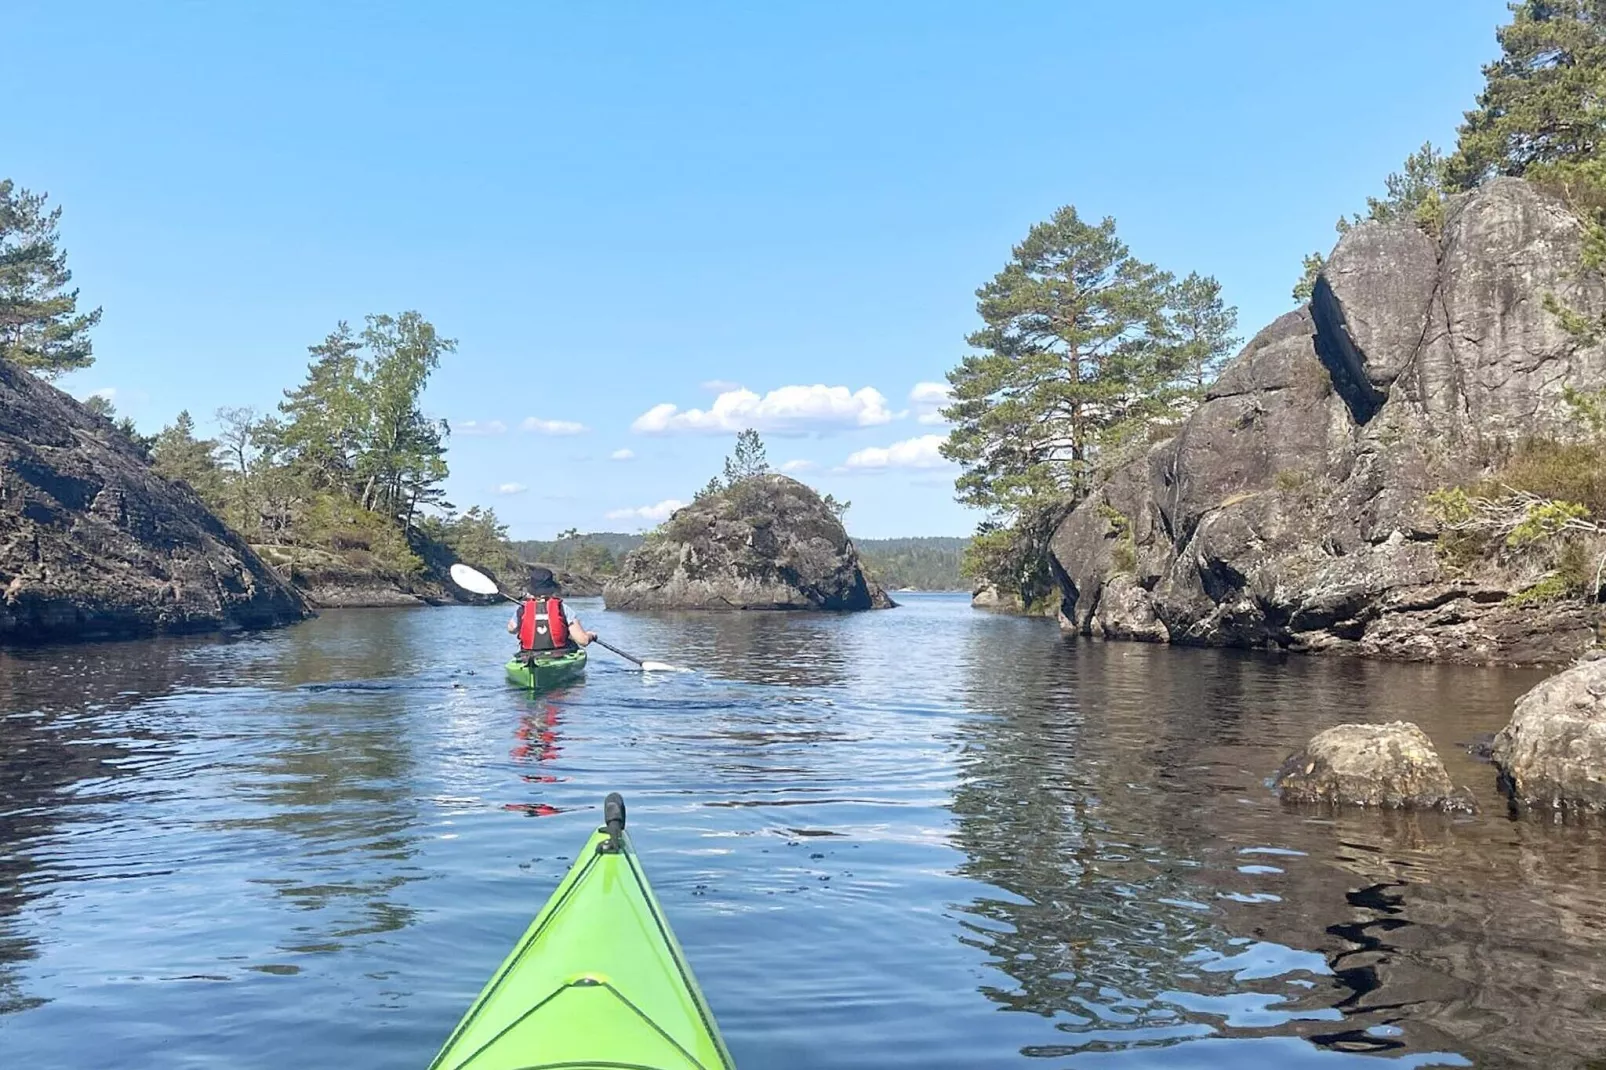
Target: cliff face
(1289,510)
(93,544)
(767,543)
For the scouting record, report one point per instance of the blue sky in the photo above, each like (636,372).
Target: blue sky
(621,208)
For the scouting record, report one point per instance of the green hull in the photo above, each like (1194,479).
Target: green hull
(598,982)
(545,673)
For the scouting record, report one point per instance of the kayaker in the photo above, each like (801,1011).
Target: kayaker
(542,622)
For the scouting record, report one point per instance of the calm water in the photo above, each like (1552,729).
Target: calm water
(929,838)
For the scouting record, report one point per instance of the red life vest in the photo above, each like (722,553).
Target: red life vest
(542,625)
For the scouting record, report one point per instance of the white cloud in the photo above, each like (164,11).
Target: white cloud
(919,452)
(536,425)
(478,427)
(927,400)
(799,466)
(511,488)
(655,513)
(622,455)
(720,386)
(789,409)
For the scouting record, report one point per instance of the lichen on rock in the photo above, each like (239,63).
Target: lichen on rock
(96,545)
(1388,766)
(1552,754)
(1289,509)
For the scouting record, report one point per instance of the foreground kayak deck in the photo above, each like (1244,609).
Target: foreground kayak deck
(541,674)
(598,981)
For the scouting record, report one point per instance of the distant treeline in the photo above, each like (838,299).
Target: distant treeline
(597,553)
(925,564)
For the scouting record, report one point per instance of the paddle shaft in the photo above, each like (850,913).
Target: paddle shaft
(616,650)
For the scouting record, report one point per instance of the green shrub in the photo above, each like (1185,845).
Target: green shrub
(366,538)
(1564,471)
(1124,557)
(1553,588)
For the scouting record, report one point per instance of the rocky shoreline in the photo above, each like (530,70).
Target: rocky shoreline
(1549,760)
(1289,511)
(96,545)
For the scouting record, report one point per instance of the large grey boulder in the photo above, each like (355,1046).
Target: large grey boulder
(1552,754)
(96,545)
(769,542)
(1389,766)
(1289,510)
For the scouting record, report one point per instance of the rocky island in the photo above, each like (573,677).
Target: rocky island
(765,541)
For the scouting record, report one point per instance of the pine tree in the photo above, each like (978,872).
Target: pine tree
(404,461)
(1200,327)
(40,325)
(1073,357)
(178,455)
(1415,192)
(479,538)
(1541,113)
(747,460)
(324,422)
(1306,286)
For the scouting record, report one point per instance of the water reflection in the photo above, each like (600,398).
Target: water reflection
(925,838)
(536,745)
(1160,893)
(71,739)
(787,648)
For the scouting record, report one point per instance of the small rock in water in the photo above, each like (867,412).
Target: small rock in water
(1371,765)
(1552,755)
(1481,746)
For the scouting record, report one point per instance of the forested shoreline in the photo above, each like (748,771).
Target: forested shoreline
(920,563)
(341,482)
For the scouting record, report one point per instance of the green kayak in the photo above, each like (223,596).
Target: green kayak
(540,674)
(596,983)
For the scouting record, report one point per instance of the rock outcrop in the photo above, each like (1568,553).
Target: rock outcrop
(1388,766)
(767,543)
(987,596)
(94,544)
(1552,756)
(1290,508)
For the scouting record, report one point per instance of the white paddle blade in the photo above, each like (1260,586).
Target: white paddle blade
(659,666)
(473,581)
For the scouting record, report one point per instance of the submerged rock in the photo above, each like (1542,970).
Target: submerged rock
(769,542)
(96,545)
(1552,755)
(1391,766)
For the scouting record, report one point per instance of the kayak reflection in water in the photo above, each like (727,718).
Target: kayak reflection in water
(542,622)
(537,732)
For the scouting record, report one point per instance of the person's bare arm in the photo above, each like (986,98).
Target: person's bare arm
(579,632)
(513,624)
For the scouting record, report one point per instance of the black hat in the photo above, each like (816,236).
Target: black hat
(541,581)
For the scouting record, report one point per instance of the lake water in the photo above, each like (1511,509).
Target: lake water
(927,838)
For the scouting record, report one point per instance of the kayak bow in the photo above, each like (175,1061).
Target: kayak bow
(598,982)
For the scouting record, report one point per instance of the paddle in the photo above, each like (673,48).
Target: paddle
(476,582)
